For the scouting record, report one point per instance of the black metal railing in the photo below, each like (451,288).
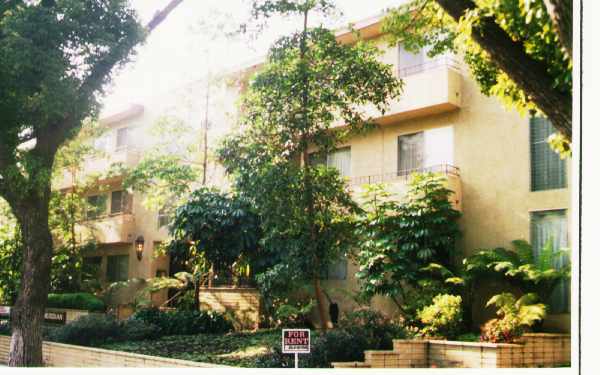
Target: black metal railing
(404,175)
(447,61)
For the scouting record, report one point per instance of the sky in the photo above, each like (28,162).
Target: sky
(188,44)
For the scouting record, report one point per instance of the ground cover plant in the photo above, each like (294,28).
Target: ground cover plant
(77,301)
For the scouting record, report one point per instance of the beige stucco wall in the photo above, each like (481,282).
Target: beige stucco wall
(491,148)
(489,144)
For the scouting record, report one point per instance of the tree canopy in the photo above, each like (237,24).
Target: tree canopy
(517,50)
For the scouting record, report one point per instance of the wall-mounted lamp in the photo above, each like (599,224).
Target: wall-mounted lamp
(139,247)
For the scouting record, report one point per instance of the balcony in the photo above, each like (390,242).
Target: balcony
(128,157)
(397,182)
(110,229)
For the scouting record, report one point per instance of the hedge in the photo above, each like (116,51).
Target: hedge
(76,301)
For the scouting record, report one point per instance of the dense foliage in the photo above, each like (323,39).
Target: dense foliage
(358,331)
(77,301)
(443,317)
(398,239)
(513,316)
(184,322)
(531,274)
(498,39)
(308,84)
(10,255)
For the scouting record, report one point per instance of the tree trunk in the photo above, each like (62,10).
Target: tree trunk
(27,315)
(510,56)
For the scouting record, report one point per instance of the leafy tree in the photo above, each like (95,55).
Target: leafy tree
(307,83)
(57,57)
(10,255)
(398,239)
(166,173)
(213,229)
(517,50)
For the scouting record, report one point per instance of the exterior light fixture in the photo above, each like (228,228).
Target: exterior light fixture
(139,247)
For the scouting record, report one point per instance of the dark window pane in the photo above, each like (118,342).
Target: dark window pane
(116,202)
(548,171)
(117,268)
(96,206)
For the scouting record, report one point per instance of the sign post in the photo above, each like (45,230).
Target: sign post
(295,341)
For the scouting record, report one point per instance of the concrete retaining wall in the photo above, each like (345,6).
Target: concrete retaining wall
(63,355)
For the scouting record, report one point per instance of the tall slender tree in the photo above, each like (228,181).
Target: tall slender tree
(309,82)
(56,57)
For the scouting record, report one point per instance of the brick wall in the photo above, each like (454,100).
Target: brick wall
(534,350)
(242,303)
(62,355)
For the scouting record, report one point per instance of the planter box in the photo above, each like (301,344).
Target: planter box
(533,350)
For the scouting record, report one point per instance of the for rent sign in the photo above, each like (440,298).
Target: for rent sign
(295,341)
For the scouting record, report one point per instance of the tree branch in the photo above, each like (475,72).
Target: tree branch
(561,14)
(510,56)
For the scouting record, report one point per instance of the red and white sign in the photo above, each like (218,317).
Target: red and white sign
(295,341)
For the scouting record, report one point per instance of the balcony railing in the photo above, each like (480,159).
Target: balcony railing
(404,175)
(445,60)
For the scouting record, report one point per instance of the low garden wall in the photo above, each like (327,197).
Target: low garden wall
(243,304)
(534,350)
(62,355)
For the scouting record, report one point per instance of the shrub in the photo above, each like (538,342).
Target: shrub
(377,330)
(78,301)
(514,316)
(443,317)
(184,322)
(294,316)
(358,331)
(88,330)
(136,330)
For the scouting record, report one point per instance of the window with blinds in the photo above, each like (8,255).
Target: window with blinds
(341,160)
(552,226)
(548,171)
(117,268)
(410,153)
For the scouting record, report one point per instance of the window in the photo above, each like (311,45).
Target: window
(101,143)
(409,62)
(341,160)
(336,271)
(91,266)
(96,206)
(548,171)
(119,202)
(117,268)
(410,153)
(123,137)
(552,226)
(163,218)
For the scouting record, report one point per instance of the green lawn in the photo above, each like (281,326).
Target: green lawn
(235,349)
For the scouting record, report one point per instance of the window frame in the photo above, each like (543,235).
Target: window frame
(407,172)
(91,207)
(536,186)
(119,277)
(566,309)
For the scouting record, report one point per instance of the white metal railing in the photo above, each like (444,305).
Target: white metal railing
(444,60)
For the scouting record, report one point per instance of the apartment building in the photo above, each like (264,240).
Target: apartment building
(508,184)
